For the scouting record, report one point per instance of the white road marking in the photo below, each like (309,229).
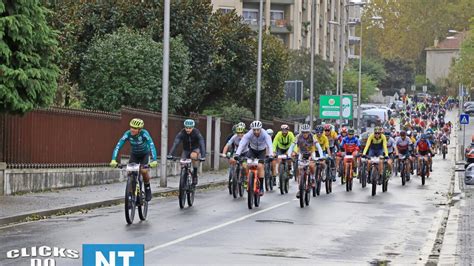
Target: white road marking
(181,239)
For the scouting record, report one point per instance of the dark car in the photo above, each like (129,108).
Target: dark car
(469,110)
(370,120)
(469,175)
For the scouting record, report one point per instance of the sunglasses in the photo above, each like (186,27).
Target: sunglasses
(135,128)
(189,127)
(327,130)
(377,133)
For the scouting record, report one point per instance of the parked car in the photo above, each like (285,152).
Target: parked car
(364,107)
(469,110)
(370,120)
(381,113)
(466,104)
(469,175)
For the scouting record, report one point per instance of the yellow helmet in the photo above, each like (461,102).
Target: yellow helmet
(137,123)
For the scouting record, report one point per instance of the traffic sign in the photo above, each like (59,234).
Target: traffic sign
(425,88)
(329,106)
(413,87)
(464,119)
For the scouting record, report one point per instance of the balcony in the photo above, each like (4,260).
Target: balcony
(281,2)
(276,26)
(354,40)
(353,56)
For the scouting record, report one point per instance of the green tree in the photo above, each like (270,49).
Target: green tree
(300,69)
(400,74)
(125,68)
(372,68)
(351,83)
(28,52)
(463,68)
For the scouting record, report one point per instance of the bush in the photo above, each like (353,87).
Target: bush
(125,68)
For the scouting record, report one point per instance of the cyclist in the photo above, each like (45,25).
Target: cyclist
(281,143)
(324,143)
(423,148)
(444,139)
(270,132)
(333,143)
(390,147)
(306,146)
(234,127)
(141,143)
(350,146)
(193,146)
(342,135)
(233,144)
(259,144)
(376,146)
(403,147)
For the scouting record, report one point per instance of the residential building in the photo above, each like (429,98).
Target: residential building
(290,20)
(440,57)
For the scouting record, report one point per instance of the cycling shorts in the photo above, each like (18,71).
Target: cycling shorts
(187,154)
(424,153)
(254,154)
(376,152)
(281,151)
(139,158)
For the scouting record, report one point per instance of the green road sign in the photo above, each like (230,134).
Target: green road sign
(329,107)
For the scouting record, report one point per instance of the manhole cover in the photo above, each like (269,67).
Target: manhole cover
(274,221)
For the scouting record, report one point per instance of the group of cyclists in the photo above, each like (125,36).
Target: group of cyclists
(420,131)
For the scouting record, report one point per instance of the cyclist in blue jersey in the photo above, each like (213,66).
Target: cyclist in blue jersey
(141,143)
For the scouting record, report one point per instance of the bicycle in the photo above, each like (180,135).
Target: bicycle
(305,183)
(348,171)
(318,176)
(268,174)
(404,162)
(253,183)
(444,150)
(283,174)
(186,188)
(237,174)
(363,174)
(424,168)
(330,173)
(135,193)
(340,169)
(375,175)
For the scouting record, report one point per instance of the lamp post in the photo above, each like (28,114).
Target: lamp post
(312,44)
(165,90)
(259,62)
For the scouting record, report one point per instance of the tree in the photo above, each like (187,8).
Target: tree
(300,69)
(125,68)
(400,74)
(351,83)
(463,68)
(372,68)
(28,52)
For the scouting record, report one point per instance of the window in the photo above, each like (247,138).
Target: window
(250,16)
(277,18)
(225,10)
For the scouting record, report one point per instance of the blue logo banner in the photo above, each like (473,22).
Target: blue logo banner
(113,254)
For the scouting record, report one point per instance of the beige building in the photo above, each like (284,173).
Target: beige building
(441,56)
(290,20)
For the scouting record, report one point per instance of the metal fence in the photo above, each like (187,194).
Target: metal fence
(62,137)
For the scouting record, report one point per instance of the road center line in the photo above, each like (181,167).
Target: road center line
(181,239)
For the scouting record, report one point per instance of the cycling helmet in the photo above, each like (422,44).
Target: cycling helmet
(319,129)
(403,133)
(189,123)
(270,131)
(344,130)
(305,128)
(256,125)
(240,129)
(137,123)
(429,131)
(327,127)
(234,127)
(423,136)
(284,127)
(387,133)
(241,124)
(378,130)
(350,131)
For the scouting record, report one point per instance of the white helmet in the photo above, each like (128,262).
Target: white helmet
(241,124)
(270,131)
(285,127)
(305,128)
(256,125)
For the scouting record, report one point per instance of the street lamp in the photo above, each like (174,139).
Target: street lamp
(259,62)
(311,100)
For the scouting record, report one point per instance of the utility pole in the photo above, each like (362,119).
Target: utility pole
(312,44)
(259,62)
(165,90)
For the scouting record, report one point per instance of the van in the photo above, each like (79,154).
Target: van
(381,113)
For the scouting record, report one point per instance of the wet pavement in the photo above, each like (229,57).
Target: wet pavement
(399,227)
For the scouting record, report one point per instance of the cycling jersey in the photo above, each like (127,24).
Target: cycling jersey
(260,143)
(283,142)
(323,141)
(376,144)
(191,142)
(423,145)
(305,145)
(332,138)
(235,141)
(403,145)
(390,145)
(141,144)
(350,144)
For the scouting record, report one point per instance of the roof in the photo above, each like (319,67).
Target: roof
(453,43)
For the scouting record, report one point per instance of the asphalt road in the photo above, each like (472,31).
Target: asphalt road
(352,228)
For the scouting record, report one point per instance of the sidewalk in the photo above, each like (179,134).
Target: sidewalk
(33,206)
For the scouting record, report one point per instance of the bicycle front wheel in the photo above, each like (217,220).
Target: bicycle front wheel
(130,201)
(250,191)
(182,188)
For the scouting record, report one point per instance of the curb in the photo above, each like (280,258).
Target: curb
(93,205)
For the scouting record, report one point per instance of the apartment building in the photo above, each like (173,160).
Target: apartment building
(290,20)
